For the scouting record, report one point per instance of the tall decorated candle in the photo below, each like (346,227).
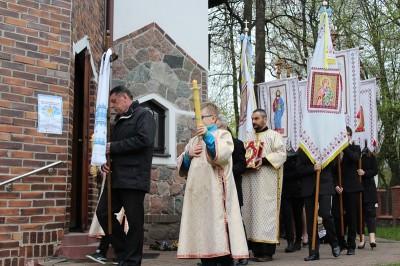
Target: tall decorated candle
(196,100)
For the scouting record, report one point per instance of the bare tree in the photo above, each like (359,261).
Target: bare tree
(291,29)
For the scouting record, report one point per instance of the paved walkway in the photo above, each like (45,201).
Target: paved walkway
(386,253)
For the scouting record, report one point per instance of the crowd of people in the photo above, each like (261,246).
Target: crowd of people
(229,208)
(280,186)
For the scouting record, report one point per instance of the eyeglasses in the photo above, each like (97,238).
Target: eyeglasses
(202,117)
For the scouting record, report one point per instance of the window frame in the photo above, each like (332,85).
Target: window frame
(155,108)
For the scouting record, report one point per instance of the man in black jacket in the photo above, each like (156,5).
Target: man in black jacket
(308,170)
(292,203)
(131,150)
(350,190)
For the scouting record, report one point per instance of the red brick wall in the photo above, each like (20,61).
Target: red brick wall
(36,57)
(396,205)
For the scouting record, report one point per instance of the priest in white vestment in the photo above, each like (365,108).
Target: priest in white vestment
(262,187)
(211,226)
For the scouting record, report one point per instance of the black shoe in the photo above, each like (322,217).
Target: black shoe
(290,248)
(242,262)
(304,244)
(373,245)
(343,245)
(297,245)
(97,257)
(312,257)
(351,251)
(263,259)
(336,251)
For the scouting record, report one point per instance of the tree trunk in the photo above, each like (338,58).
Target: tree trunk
(259,73)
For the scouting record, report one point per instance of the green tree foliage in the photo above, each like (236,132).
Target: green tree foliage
(375,25)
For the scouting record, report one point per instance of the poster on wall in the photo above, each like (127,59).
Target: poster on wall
(49,114)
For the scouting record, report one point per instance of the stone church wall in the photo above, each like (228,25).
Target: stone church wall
(150,62)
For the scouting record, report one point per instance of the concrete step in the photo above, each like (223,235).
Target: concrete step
(77,252)
(78,245)
(78,239)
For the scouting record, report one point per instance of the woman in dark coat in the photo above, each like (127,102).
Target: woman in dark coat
(368,171)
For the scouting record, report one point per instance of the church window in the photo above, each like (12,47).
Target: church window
(159,117)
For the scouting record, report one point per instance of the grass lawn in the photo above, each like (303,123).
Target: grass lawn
(392,233)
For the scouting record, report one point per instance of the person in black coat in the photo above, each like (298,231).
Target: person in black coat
(307,170)
(238,168)
(292,203)
(369,168)
(131,150)
(350,190)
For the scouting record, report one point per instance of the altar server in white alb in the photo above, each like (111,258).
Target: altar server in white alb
(211,225)
(262,189)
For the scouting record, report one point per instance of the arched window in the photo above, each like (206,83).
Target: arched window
(159,117)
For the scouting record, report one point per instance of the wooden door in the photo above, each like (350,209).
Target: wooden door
(80,143)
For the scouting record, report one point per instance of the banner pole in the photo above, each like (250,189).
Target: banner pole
(108,37)
(361,203)
(315,210)
(340,198)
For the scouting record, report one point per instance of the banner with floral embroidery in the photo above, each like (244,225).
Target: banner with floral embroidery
(323,129)
(366,131)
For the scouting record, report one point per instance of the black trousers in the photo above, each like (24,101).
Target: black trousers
(292,210)
(324,211)
(351,202)
(104,245)
(351,205)
(338,226)
(128,248)
(263,249)
(369,217)
(218,261)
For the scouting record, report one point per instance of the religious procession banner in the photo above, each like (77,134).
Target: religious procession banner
(323,133)
(349,65)
(365,133)
(100,121)
(280,100)
(302,91)
(348,62)
(247,96)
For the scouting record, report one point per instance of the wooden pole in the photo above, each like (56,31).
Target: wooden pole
(361,203)
(340,197)
(108,37)
(278,72)
(288,70)
(314,235)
